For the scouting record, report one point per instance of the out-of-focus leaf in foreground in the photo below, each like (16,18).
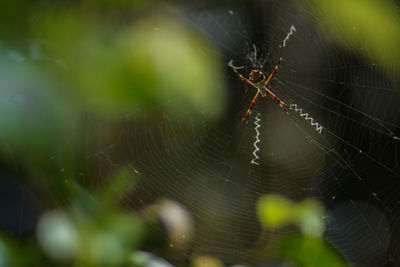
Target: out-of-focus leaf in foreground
(151,62)
(5,253)
(310,251)
(309,248)
(207,261)
(277,211)
(94,231)
(367,26)
(36,121)
(74,64)
(310,218)
(141,258)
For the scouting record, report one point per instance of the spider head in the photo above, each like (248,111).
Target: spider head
(256,76)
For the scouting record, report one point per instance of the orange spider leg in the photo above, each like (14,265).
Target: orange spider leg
(253,103)
(250,110)
(273,72)
(244,79)
(282,104)
(272,95)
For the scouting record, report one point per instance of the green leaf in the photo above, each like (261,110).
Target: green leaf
(309,251)
(310,215)
(119,185)
(370,27)
(275,211)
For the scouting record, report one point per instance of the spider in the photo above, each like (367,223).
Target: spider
(257,80)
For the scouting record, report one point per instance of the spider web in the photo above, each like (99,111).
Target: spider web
(350,164)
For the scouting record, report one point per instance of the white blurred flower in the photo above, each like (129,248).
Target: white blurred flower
(57,236)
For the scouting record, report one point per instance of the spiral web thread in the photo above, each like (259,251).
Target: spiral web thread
(306,116)
(257,136)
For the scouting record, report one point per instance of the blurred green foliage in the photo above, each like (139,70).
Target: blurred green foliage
(150,62)
(309,251)
(62,63)
(368,27)
(308,248)
(92,231)
(276,211)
